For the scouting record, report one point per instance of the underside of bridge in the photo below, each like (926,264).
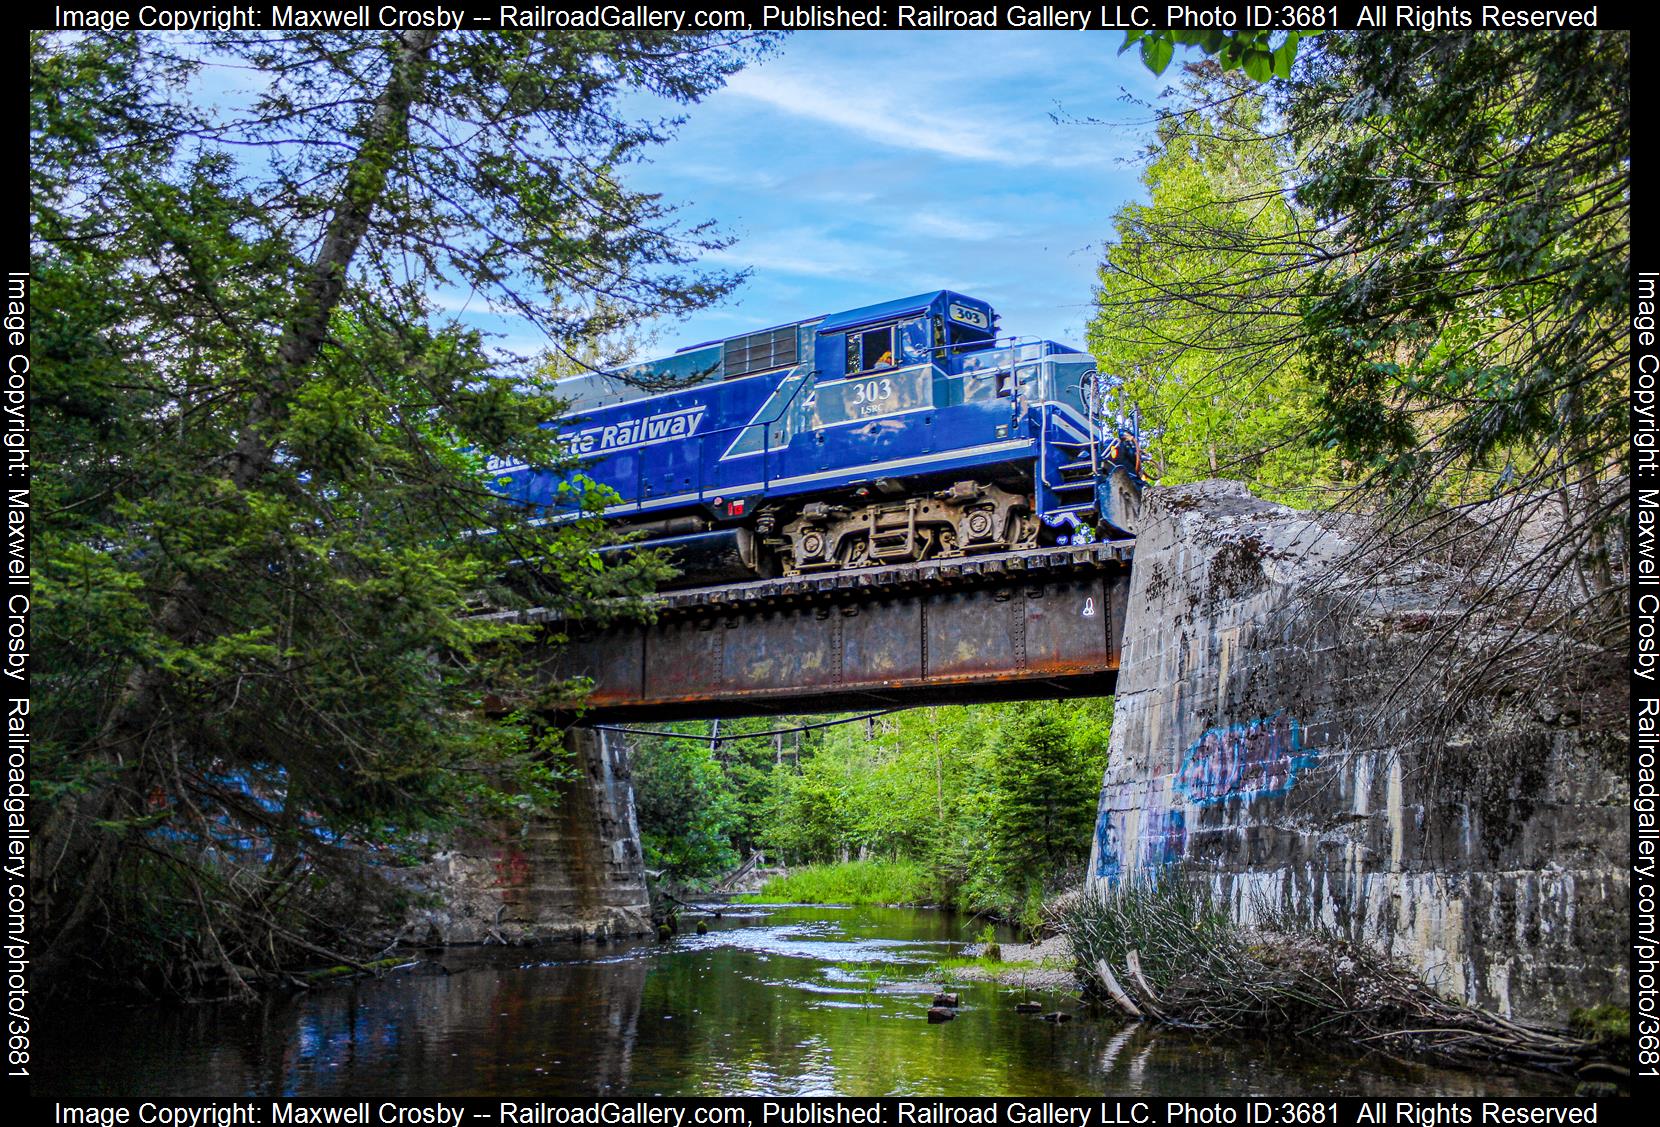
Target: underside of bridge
(1014,626)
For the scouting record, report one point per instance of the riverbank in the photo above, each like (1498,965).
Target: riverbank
(1044,965)
(1165,953)
(850,882)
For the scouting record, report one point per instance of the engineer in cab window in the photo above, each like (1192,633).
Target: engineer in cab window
(873,350)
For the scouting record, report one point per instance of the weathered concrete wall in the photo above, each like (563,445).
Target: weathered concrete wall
(1277,734)
(576,874)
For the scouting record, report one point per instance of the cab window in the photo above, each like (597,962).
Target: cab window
(871,349)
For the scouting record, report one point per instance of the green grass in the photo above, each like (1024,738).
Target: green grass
(1602,1023)
(998,965)
(853,882)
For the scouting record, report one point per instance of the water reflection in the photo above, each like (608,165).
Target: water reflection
(790,1001)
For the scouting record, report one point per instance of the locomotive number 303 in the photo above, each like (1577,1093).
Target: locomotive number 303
(870,396)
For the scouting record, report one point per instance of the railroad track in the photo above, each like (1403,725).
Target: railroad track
(961,571)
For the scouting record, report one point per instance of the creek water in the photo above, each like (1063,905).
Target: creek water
(789,1000)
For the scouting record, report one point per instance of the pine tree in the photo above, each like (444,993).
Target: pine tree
(263,507)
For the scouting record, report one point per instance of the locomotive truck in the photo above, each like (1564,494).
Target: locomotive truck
(903,431)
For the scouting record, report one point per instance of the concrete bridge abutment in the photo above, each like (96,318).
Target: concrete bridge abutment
(1279,736)
(575,873)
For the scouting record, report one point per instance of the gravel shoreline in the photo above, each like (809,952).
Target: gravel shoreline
(1054,972)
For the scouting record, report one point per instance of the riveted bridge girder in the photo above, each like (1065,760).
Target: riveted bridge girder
(1019,625)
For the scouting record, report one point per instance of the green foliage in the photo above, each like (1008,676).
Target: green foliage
(1608,1024)
(688,814)
(260,509)
(703,796)
(852,882)
(1041,804)
(1470,314)
(1254,52)
(1467,326)
(1011,971)
(1405,282)
(995,801)
(1198,309)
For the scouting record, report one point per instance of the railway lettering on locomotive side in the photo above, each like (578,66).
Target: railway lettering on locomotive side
(637,432)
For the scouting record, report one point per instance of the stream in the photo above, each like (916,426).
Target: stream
(785,1000)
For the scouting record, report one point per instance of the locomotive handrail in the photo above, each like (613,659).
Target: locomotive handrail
(766,442)
(1010,347)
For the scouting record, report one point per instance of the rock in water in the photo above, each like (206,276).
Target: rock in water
(946,1000)
(702,928)
(1057,1017)
(937,1014)
(1028,1007)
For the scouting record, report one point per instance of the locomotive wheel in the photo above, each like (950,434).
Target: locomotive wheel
(847,533)
(1022,531)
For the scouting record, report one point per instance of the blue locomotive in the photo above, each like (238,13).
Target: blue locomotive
(896,432)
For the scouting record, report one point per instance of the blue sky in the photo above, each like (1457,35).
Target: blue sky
(855,167)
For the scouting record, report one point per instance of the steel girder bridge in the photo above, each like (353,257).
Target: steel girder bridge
(1033,624)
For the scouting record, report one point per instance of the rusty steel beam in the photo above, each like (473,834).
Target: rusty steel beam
(1019,626)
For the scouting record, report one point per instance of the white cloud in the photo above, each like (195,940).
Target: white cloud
(926,110)
(812,253)
(871,112)
(961,228)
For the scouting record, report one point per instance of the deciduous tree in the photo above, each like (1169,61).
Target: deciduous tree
(1199,306)
(1442,262)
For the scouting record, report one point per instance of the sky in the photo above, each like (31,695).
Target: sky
(855,167)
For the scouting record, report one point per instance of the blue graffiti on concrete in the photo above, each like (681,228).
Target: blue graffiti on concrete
(1106,848)
(1163,840)
(1259,759)
(1254,760)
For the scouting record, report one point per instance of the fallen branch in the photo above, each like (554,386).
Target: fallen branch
(1189,965)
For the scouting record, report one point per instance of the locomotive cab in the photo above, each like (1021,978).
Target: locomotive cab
(926,329)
